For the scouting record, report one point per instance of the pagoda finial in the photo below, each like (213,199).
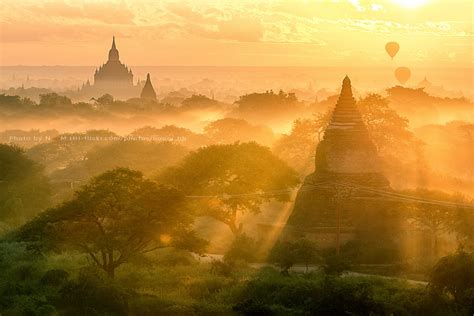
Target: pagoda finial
(113,53)
(346,87)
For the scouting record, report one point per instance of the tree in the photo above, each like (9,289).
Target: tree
(106,99)
(232,179)
(306,252)
(464,227)
(143,156)
(454,274)
(14,102)
(67,148)
(230,130)
(242,248)
(268,107)
(173,134)
(299,147)
(285,254)
(198,102)
(24,189)
(387,128)
(267,102)
(117,216)
(54,100)
(432,217)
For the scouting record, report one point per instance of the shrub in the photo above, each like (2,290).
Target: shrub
(54,277)
(93,293)
(242,248)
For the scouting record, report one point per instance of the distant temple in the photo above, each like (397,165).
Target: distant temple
(148,92)
(346,167)
(113,78)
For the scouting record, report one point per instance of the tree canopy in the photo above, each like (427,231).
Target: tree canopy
(24,190)
(233,178)
(116,217)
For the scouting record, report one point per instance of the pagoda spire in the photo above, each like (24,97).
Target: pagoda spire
(346,117)
(113,53)
(346,90)
(148,92)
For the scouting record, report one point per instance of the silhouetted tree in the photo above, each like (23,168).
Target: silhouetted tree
(454,275)
(54,100)
(24,190)
(113,219)
(233,179)
(434,218)
(231,130)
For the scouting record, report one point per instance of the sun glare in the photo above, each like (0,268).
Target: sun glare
(411,4)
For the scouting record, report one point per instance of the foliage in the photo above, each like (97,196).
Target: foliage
(195,102)
(230,130)
(388,130)
(147,157)
(24,189)
(14,102)
(236,178)
(285,254)
(93,294)
(67,148)
(114,218)
(242,248)
(454,274)
(435,218)
(173,134)
(267,102)
(52,100)
(314,294)
(106,99)
(372,247)
(188,240)
(299,147)
(21,291)
(223,267)
(463,225)
(336,265)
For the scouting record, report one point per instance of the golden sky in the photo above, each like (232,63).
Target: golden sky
(431,33)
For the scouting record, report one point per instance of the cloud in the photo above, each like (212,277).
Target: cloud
(105,12)
(241,29)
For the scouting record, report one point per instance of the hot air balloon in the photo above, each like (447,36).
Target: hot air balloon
(402,74)
(392,48)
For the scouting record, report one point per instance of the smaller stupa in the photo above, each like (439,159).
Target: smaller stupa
(148,92)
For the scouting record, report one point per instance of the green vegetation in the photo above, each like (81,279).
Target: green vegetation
(113,219)
(171,281)
(24,189)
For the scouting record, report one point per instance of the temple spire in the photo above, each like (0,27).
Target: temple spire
(148,92)
(346,117)
(346,90)
(113,53)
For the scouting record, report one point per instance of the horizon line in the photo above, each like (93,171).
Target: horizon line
(247,66)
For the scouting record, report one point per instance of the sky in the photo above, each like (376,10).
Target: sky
(431,33)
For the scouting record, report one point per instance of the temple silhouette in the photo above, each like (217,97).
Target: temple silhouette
(148,92)
(338,193)
(116,79)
